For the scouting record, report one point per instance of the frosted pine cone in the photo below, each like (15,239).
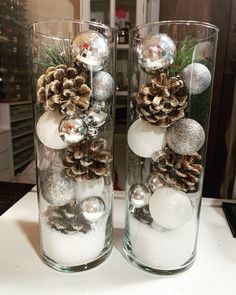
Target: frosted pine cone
(162,101)
(67,219)
(178,171)
(87,159)
(62,88)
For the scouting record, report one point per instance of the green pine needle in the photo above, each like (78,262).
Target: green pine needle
(184,56)
(53,55)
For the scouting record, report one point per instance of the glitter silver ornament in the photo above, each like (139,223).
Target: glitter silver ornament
(196,77)
(157,51)
(97,114)
(72,129)
(93,208)
(103,86)
(154,183)
(58,189)
(185,137)
(90,49)
(139,195)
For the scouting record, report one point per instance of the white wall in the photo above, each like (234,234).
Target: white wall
(49,9)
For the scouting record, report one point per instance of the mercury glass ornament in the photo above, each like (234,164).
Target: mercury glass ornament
(170,208)
(58,189)
(139,195)
(155,52)
(144,139)
(90,49)
(47,130)
(196,77)
(154,183)
(72,129)
(93,208)
(97,114)
(185,137)
(103,86)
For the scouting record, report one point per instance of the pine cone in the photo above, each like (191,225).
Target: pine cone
(87,159)
(181,172)
(67,219)
(62,88)
(142,214)
(162,101)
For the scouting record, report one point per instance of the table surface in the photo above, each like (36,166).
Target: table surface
(23,272)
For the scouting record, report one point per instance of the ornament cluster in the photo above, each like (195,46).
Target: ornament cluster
(163,133)
(75,100)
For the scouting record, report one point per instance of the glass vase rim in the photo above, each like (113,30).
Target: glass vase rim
(76,21)
(180,22)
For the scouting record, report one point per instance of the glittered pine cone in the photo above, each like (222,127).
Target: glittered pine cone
(67,219)
(88,159)
(63,88)
(178,171)
(162,101)
(142,214)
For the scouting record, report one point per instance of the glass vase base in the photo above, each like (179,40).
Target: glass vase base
(165,272)
(76,268)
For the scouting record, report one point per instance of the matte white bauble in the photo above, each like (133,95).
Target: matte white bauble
(47,130)
(90,188)
(170,208)
(144,139)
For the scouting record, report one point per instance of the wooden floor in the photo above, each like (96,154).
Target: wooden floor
(11,192)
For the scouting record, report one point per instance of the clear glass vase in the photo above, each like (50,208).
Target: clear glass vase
(73,95)
(170,86)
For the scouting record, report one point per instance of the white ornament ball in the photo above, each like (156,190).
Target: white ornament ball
(144,139)
(185,137)
(47,130)
(170,208)
(103,85)
(139,195)
(196,77)
(90,188)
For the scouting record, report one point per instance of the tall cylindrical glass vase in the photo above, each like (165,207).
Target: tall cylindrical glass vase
(73,95)
(170,86)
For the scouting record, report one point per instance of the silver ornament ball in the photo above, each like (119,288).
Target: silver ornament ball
(72,129)
(103,85)
(93,208)
(156,51)
(139,195)
(154,183)
(97,114)
(196,77)
(185,137)
(58,189)
(90,49)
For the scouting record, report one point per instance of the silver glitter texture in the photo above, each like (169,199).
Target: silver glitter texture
(196,77)
(58,189)
(157,51)
(103,86)
(185,137)
(72,129)
(93,208)
(90,49)
(139,195)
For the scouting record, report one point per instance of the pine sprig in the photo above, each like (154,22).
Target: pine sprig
(184,56)
(53,55)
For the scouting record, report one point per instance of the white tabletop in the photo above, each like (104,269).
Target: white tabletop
(22,271)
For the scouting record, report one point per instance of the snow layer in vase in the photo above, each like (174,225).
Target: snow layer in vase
(162,249)
(73,249)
